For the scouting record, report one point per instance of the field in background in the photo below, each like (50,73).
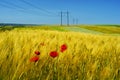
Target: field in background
(88,56)
(104,29)
(98,29)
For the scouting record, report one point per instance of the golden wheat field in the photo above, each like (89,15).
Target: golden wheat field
(86,56)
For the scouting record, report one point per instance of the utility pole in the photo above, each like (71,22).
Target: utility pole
(61,17)
(67,18)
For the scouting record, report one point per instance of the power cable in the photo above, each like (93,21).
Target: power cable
(14,6)
(34,6)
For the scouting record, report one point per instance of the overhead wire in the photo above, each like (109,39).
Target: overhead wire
(41,9)
(16,7)
(12,4)
(9,7)
(20,9)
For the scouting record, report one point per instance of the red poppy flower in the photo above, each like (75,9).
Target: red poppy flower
(37,52)
(34,59)
(53,54)
(63,47)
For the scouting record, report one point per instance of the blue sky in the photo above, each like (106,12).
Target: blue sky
(48,11)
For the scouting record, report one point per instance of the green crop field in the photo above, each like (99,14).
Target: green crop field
(104,29)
